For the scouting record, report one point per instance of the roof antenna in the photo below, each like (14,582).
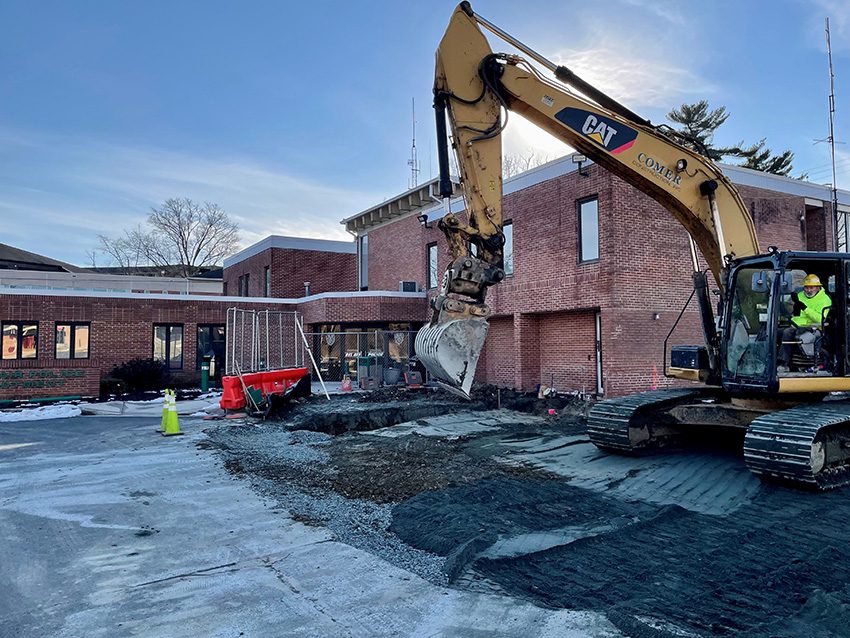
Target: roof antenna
(840,225)
(413,162)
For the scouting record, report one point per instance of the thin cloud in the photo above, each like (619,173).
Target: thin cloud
(838,12)
(83,188)
(668,10)
(634,81)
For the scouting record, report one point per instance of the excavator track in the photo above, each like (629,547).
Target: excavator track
(805,446)
(616,425)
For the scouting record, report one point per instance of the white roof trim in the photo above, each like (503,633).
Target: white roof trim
(40,292)
(292,243)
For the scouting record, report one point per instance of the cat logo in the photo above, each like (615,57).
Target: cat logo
(611,135)
(598,131)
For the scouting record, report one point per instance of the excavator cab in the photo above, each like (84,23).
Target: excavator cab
(765,348)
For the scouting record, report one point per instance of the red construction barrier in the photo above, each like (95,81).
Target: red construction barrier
(269,382)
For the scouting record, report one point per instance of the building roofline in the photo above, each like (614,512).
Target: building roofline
(413,200)
(40,292)
(291,243)
(741,176)
(564,165)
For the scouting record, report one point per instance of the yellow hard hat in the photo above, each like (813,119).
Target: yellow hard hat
(812,280)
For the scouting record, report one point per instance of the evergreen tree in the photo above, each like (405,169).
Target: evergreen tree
(698,123)
(762,159)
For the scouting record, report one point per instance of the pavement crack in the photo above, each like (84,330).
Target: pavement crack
(271,564)
(198,572)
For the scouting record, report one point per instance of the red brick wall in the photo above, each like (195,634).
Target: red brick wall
(496,364)
(777,218)
(567,350)
(364,310)
(397,253)
(121,330)
(326,272)
(644,268)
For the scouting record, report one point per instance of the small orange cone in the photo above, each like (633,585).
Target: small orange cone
(172,424)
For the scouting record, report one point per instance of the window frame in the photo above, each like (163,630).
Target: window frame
(167,361)
(428,282)
(363,262)
(198,328)
(267,281)
(73,334)
(19,348)
(580,243)
(506,224)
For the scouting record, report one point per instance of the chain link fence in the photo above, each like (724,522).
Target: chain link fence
(383,355)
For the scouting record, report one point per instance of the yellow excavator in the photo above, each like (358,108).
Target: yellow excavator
(794,433)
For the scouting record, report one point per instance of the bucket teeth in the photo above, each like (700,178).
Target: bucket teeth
(450,351)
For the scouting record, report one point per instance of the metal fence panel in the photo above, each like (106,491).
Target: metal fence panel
(258,340)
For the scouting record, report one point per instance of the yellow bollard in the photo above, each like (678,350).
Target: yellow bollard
(172,425)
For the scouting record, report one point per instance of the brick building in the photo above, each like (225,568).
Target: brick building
(64,342)
(291,267)
(597,271)
(63,332)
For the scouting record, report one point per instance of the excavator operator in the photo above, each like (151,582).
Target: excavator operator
(810,306)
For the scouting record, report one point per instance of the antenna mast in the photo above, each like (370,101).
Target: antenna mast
(413,162)
(840,220)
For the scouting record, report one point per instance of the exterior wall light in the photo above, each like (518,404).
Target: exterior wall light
(580,159)
(656,316)
(423,219)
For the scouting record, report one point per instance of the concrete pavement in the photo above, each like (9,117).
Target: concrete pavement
(109,529)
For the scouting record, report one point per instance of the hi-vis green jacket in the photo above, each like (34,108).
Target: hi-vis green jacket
(809,310)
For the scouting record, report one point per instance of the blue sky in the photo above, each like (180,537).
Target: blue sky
(294,115)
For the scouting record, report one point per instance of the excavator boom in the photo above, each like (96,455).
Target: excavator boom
(475,89)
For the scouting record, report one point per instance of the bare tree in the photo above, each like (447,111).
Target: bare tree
(180,235)
(514,164)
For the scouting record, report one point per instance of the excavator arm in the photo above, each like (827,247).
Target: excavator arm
(475,89)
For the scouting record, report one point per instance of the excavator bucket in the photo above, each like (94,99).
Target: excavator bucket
(450,351)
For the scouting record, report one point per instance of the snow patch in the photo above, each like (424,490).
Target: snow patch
(40,414)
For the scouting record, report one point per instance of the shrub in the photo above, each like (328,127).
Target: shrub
(141,374)
(110,385)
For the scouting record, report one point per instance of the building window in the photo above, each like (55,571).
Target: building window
(168,344)
(841,219)
(243,285)
(211,342)
(508,249)
(20,339)
(224,289)
(588,229)
(363,261)
(267,281)
(433,273)
(72,340)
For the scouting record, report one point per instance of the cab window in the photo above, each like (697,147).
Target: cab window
(748,345)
